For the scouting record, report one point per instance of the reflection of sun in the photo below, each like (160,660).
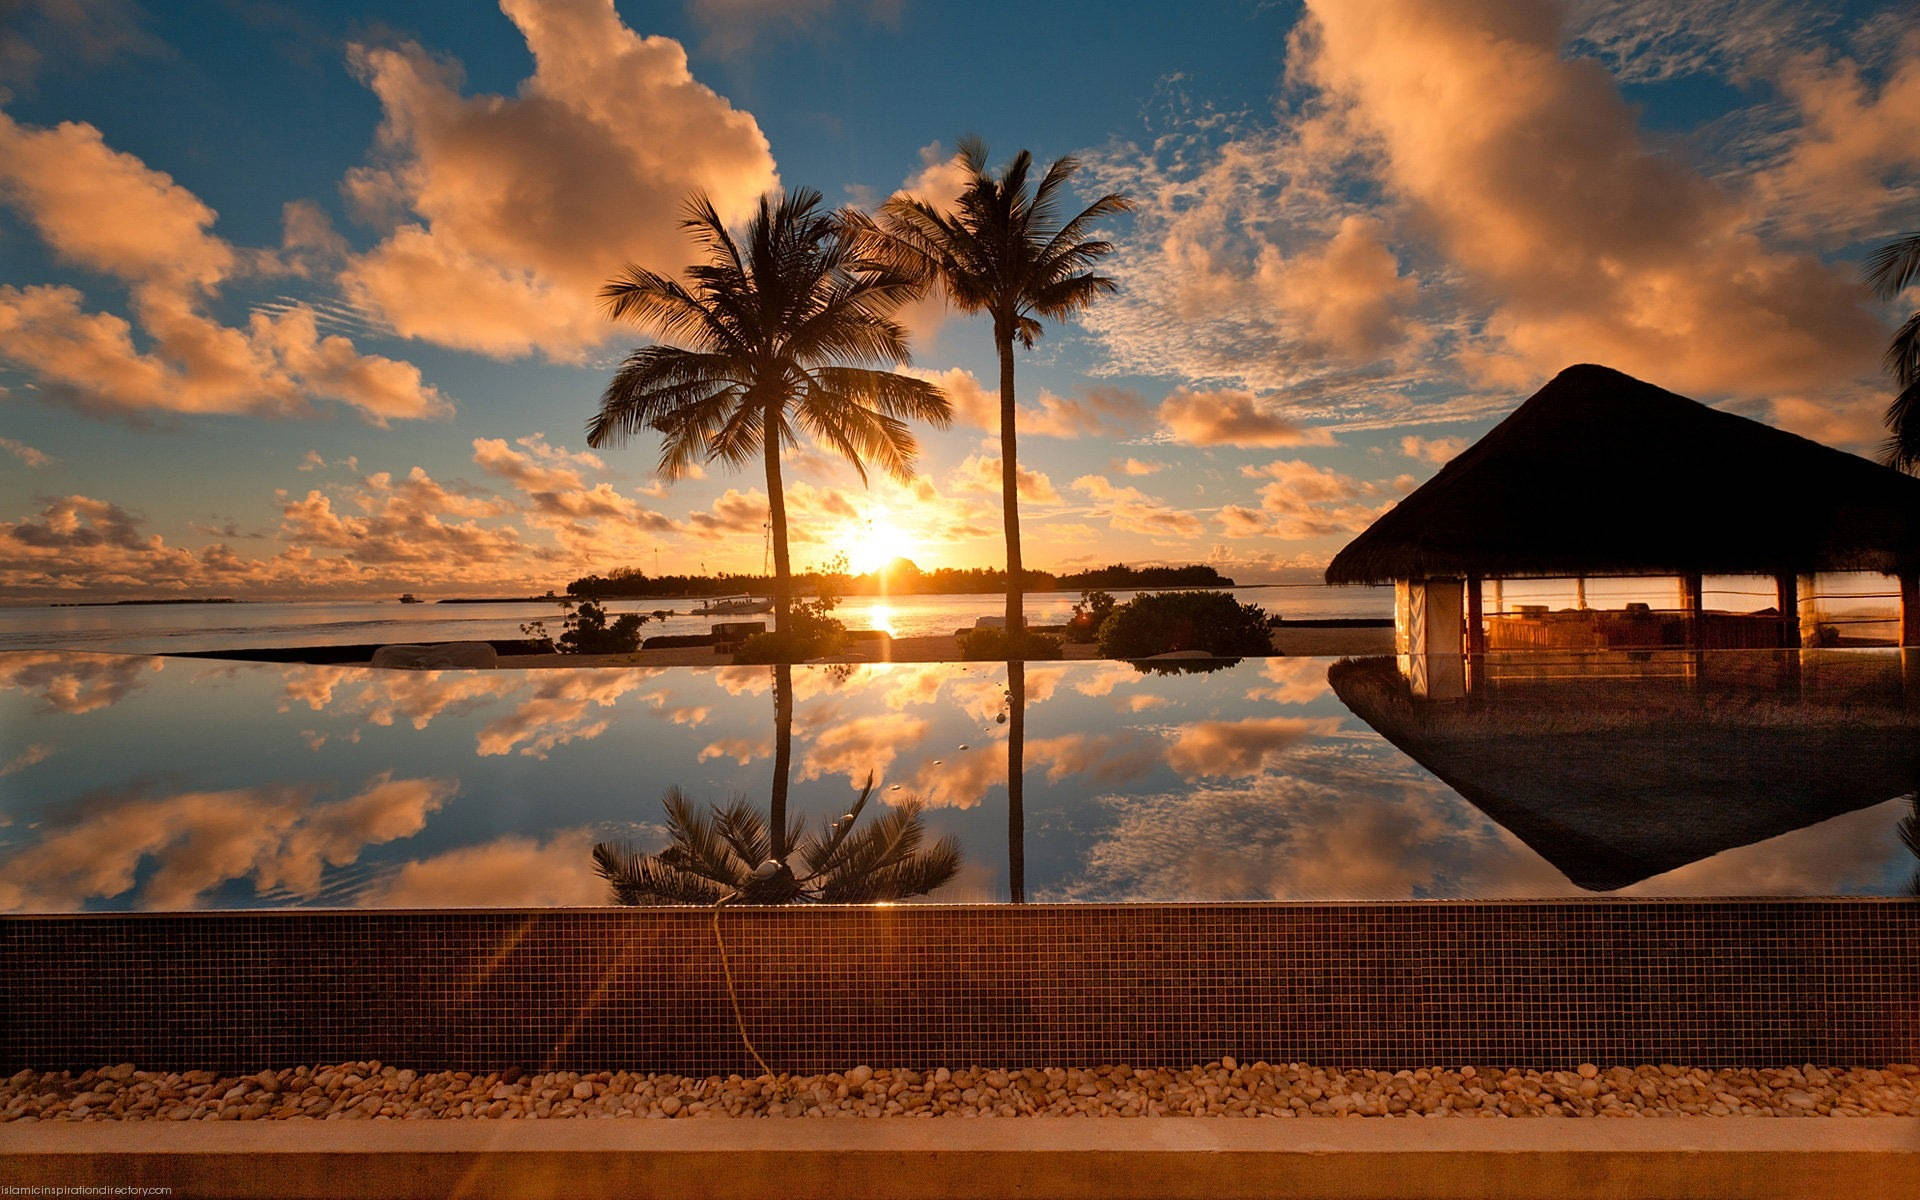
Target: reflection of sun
(873,544)
(880,616)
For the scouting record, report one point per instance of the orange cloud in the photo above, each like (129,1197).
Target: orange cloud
(1232,418)
(1589,245)
(109,212)
(512,211)
(1130,508)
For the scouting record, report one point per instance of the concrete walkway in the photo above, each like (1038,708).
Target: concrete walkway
(1696,1158)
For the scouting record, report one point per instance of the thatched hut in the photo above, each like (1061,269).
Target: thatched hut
(1600,474)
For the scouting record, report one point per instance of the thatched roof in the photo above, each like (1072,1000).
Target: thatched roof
(1601,474)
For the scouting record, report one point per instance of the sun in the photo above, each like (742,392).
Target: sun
(873,544)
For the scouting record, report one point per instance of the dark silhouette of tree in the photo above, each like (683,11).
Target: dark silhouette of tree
(728,851)
(1003,251)
(1889,271)
(785,329)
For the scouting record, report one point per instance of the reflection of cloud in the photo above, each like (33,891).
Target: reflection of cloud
(1851,854)
(861,745)
(277,835)
(384,696)
(75,683)
(508,872)
(1105,678)
(559,711)
(1297,681)
(1218,748)
(742,750)
(1331,835)
(961,778)
(1106,758)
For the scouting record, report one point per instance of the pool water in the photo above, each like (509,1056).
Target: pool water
(133,782)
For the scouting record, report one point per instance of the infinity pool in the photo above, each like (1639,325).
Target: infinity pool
(159,783)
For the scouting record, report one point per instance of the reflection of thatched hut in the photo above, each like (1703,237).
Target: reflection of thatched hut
(1615,781)
(1599,474)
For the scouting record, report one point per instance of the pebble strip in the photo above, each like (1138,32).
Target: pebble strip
(1225,1088)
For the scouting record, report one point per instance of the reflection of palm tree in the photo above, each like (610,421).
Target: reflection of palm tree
(1890,269)
(728,852)
(769,326)
(1016,781)
(782,755)
(1004,251)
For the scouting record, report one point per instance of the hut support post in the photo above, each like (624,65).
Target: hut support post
(1428,627)
(1786,589)
(1910,609)
(1809,610)
(1476,636)
(1690,603)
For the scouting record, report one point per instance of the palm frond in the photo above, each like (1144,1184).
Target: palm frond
(636,878)
(1889,269)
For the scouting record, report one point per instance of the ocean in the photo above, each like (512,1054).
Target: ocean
(180,628)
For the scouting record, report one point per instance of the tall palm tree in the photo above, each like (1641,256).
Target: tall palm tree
(786,328)
(728,852)
(1003,251)
(1890,270)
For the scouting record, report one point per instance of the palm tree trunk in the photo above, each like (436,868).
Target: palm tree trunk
(1010,487)
(1016,781)
(777,515)
(782,758)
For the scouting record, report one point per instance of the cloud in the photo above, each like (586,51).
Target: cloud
(981,474)
(1851,165)
(90,32)
(1585,242)
(1111,412)
(1131,509)
(1433,450)
(1134,466)
(510,212)
(1306,501)
(1232,418)
(32,756)
(25,453)
(107,211)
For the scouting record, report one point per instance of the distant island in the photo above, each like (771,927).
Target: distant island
(900,577)
(120,603)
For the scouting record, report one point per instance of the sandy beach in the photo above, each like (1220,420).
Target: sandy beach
(1298,641)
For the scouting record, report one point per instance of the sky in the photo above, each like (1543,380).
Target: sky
(298,299)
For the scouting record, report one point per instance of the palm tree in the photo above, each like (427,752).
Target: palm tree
(787,328)
(1005,252)
(729,853)
(1890,270)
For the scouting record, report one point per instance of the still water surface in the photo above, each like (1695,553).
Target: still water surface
(177,628)
(152,783)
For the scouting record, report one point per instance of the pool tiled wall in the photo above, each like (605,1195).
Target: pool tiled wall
(1708,983)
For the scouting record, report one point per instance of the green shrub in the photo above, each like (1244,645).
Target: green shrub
(996,645)
(1162,622)
(585,630)
(810,633)
(1089,614)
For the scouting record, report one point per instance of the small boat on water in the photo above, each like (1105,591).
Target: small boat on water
(410,598)
(733,606)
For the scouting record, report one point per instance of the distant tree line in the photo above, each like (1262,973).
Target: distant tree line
(900,577)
